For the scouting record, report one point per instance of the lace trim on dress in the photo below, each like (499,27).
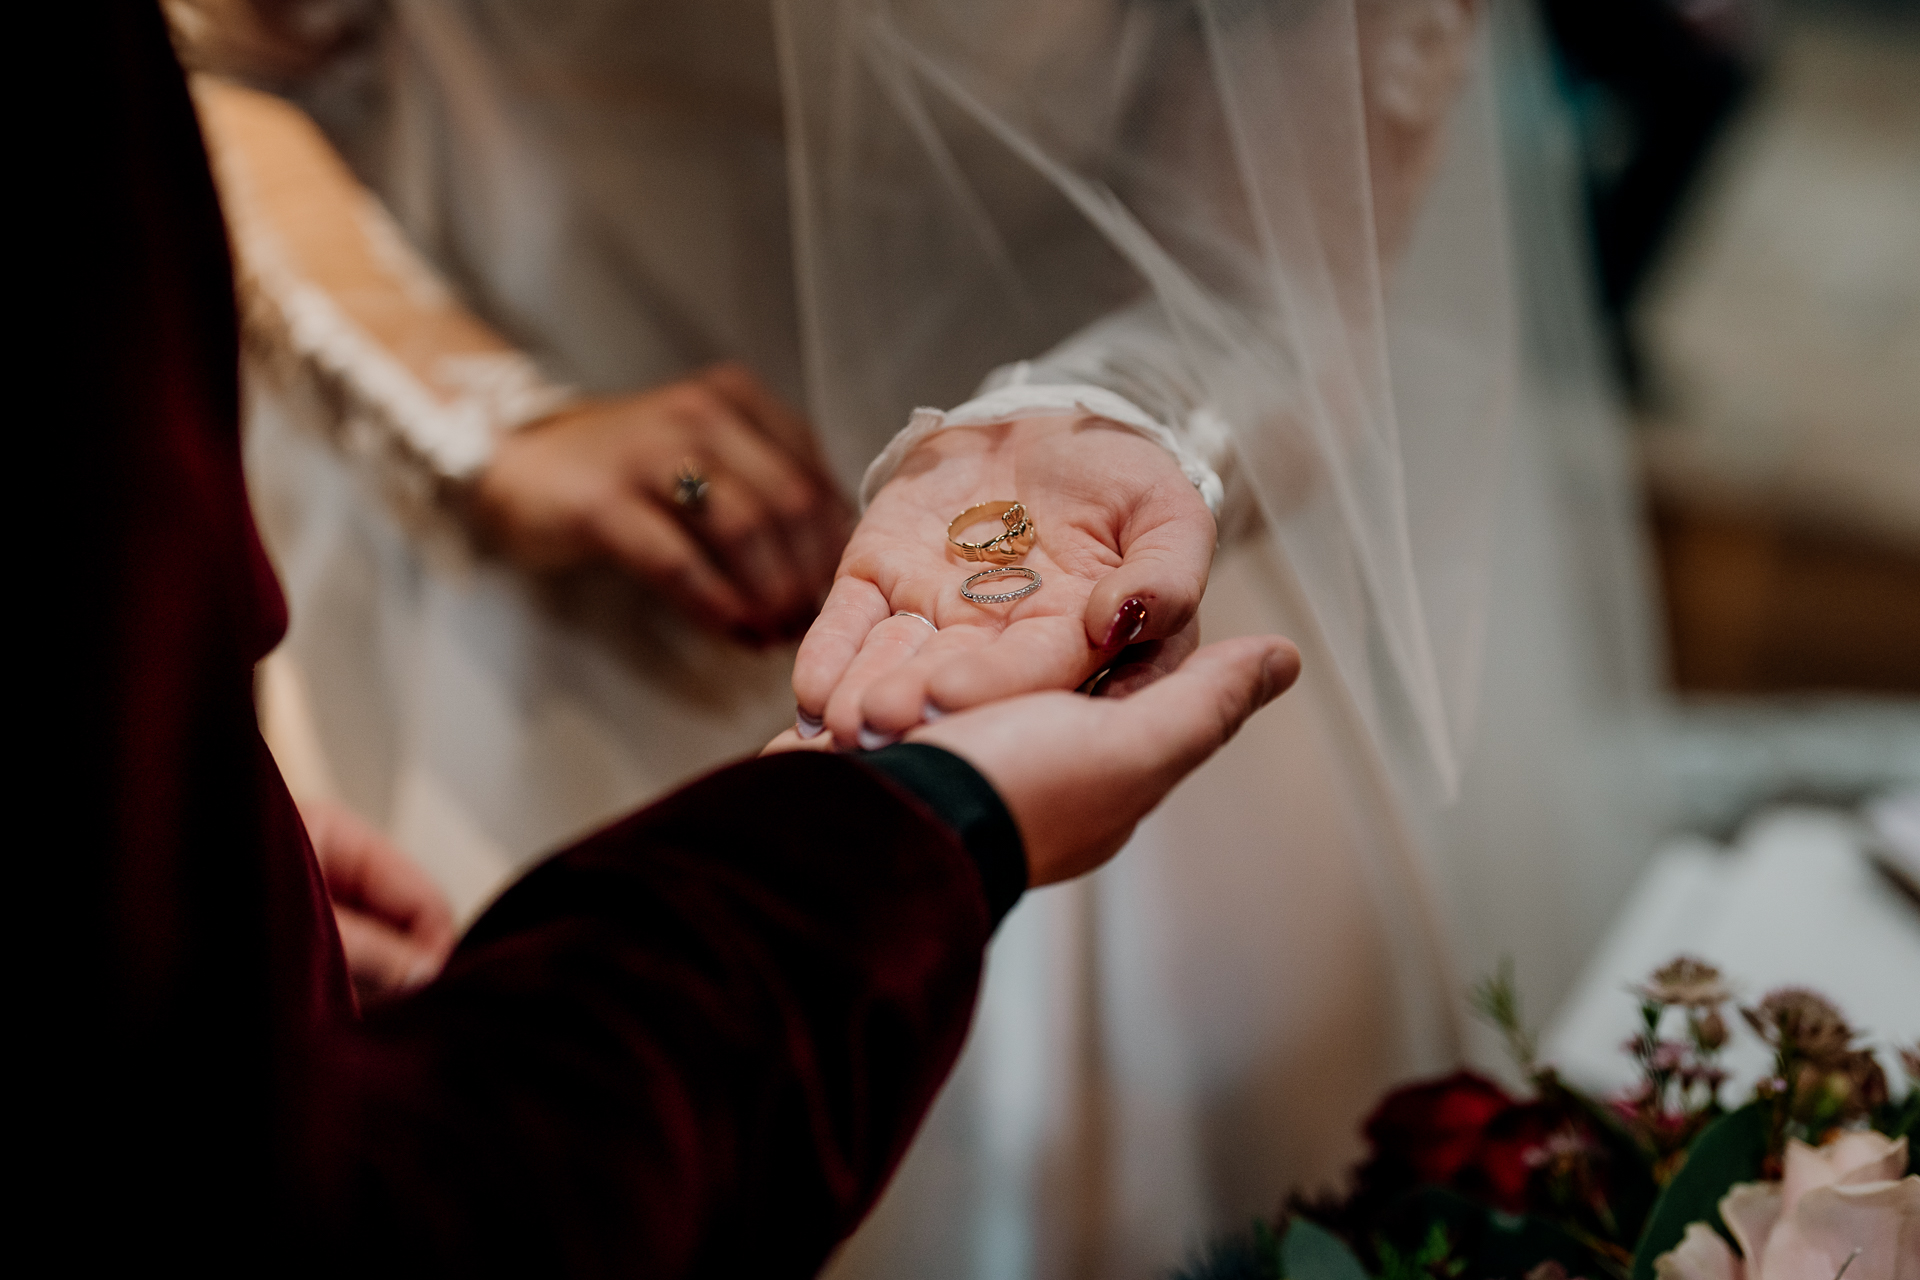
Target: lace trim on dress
(423,437)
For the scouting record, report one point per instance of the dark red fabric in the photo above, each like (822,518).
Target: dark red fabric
(694,1044)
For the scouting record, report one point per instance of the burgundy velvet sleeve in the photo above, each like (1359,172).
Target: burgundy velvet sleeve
(698,1041)
(693,1045)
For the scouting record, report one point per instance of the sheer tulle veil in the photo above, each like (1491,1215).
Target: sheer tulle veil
(1289,230)
(1221,208)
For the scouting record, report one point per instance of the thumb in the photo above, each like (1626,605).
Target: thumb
(1194,711)
(1157,588)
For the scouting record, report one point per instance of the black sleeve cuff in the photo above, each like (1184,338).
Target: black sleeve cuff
(967,802)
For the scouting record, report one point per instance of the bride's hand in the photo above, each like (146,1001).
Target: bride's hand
(751,558)
(1124,545)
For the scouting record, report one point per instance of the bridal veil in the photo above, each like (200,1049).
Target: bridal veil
(1333,245)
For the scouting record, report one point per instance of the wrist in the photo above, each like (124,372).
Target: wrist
(1020,402)
(962,797)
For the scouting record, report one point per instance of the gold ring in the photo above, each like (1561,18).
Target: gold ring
(689,486)
(1014,540)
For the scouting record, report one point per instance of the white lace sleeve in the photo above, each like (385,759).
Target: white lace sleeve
(1107,370)
(346,319)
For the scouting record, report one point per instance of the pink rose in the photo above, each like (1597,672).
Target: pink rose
(1841,1206)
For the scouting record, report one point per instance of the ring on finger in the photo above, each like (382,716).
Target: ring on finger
(690,485)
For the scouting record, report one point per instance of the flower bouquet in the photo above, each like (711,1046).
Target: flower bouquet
(1811,1177)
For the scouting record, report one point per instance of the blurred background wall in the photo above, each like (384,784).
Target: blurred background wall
(1753,179)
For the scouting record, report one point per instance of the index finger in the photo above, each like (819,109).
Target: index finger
(853,608)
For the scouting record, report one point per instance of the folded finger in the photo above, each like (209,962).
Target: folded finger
(853,608)
(1045,652)
(741,537)
(391,887)
(790,740)
(805,517)
(654,546)
(889,645)
(380,959)
(1156,590)
(894,701)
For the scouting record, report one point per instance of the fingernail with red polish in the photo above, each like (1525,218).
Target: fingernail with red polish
(807,726)
(1126,623)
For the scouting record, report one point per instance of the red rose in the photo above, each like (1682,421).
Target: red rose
(1511,1147)
(1429,1132)
(1462,1132)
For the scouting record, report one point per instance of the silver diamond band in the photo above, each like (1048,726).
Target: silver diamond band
(1009,571)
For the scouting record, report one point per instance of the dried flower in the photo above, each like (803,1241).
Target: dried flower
(1710,1031)
(1801,1023)
(1910,1062)
(1688,981)
(1866,1082)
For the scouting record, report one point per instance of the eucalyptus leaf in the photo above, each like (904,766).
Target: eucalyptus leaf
(1314,1253)
(1731,1149)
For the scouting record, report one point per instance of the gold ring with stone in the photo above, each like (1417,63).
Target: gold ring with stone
(1014,540)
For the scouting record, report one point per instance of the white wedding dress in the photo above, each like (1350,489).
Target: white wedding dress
(1280,232)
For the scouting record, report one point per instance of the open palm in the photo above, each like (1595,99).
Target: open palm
(1124,545)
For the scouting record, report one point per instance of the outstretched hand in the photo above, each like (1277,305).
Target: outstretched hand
(1078,773)
(1124,546)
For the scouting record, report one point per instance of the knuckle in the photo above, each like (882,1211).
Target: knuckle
(794,498)
(733,527)
(598,508)
(688,400)
(668,566)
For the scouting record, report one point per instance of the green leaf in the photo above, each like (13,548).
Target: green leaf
(1731,1149)
(1494,1243)
(1900,1118)
(1314,1253)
